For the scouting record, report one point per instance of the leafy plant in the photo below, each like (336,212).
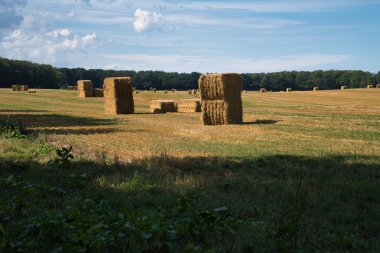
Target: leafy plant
(10,129)
(64,155)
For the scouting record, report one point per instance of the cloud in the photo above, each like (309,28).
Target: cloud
(9,16)
(145,19)
(36,43)
(183,63)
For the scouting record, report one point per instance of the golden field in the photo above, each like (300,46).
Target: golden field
(331,122)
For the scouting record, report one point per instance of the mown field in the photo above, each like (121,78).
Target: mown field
(302,174)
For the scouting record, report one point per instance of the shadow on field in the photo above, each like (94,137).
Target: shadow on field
(76,131)
(20,111)
(261,122)
(290,203)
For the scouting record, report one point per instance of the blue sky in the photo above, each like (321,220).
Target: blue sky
(186,36)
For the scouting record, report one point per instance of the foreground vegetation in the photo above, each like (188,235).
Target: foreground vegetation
(301,175)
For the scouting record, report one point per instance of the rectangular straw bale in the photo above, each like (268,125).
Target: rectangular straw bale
(18,87)
(98,92)
(194,91)
(32,91)
(378,85)
(85,88)
(220,86)
(190,91)
(14,87)
(24,87)
(343,87)
(315,88)
(189,105)
(369,86)
(173,90)
(154,90)
(118,95)
(220,112)
(262,90)
(288,89)
(163,106)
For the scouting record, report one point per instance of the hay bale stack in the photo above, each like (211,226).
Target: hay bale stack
(162,106)
(262,90)
(190,91)
(378,85)
(343,87)
(14,87)
(18,87)
(24,87)
(194,92)
(189,105)
(369,86)
(118,95)
(221,99)
(288,89)
(98,92)
(315,88)
(85,88)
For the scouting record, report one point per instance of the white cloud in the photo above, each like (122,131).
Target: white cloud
(59,32)
(183,63)
(145,19)
(36,43)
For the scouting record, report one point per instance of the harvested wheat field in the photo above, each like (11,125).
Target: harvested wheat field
(302,123)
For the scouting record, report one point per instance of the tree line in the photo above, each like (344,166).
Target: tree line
(46,76)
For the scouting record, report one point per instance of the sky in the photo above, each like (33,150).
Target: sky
(191,35)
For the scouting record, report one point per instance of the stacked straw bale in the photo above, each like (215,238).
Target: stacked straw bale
(162,106)
(14,87)
(85,88)
(221,99)
(343,87)
(189,105)
(378,85)
(369,86)
(118,95)
(315,88)
(288,89)
(262,90)
(24,87)
(98,92)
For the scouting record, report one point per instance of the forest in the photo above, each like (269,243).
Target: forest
(49,77)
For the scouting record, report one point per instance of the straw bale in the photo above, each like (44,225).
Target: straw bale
(18,87)
(190,91)
(189,105)
(24,87)
(343,87)
(154,90)
(262,90)
(118,95)
(221,99)
(244,91)
(85,88)
(32,91)
(220,86)
(194,91)
(288,89)
(165,91)
(220,112)
(173,90)
(14,87)
(369,86)
(378,85)
(137,91)
(315,88)
(163,106)
(98,92)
